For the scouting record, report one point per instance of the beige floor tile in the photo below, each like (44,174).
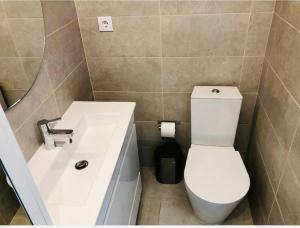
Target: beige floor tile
(241,215)
(149,211)
(177,212)
(167,204)
(151,188)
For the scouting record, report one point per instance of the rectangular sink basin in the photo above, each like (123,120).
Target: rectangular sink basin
(75,196)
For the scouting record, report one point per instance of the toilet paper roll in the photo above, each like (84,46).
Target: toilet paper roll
(167,130)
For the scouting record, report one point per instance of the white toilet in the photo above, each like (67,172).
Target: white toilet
(215,176)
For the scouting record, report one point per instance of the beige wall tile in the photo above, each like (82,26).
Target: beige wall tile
(242,139)
(207,6)
(284,55)
(23,9)
(117,8)
(29,136)
(31,67)
(38,94)
(251,72)
(290,11)
(148,131)
(148,136)
(132,36)
(254,201)
(125,74)
(262,185)
(190,35)
(183,136)
(275,215)
(273,153)
(12,96)
(12,74)
(28,36)
(76,87)
(263,6)
(182,74)
(62,57)
(58,14)
(294,156)
(2,12)
(177,106)
(168,7)
(248,105)
(148,107)
(288,197)
(146,154)
(6,41)
(281,108)
(258,33)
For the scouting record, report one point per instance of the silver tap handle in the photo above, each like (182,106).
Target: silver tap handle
(45,122)
(54,120)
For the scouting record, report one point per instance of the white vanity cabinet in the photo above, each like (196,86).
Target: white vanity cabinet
(108,190)
(123,196)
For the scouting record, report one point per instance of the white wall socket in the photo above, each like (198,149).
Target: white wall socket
(105,24)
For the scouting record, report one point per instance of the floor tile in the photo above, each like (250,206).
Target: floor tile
(177,212)
(167,204)
(149,211)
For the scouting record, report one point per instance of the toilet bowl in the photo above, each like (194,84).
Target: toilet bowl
(216,181)
(215,176)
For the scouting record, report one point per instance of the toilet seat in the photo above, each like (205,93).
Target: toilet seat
(216,174)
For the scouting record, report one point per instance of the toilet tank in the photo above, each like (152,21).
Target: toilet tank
(215,113)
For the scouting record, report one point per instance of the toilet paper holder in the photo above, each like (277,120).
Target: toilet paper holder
(171,121)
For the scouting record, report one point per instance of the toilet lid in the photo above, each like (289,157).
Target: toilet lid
(216,174)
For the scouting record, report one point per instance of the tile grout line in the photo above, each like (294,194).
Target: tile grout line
(84,50)
(273,128)
(44,66)
(60,28)
(178,15)
(161,65)
(6,19)
(53,90)
(288,154)
(173,57)
(276,188)
(275,131)
(285,21)
(68,75)
(245,45)
(287,90)
(286,163)
(268,177)
(131,91)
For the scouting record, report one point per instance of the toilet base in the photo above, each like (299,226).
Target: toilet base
(210,213)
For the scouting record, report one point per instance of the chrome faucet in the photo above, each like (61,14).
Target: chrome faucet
(54,137)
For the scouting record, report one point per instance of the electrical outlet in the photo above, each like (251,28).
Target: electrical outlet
(105,24)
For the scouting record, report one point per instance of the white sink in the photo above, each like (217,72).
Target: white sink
(75,196)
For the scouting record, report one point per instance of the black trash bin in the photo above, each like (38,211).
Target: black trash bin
(169,162)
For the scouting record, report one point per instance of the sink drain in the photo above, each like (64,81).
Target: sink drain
(81,164)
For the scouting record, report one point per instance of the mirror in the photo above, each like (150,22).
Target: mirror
(22,42)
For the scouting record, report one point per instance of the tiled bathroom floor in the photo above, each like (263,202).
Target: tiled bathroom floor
(164,204)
